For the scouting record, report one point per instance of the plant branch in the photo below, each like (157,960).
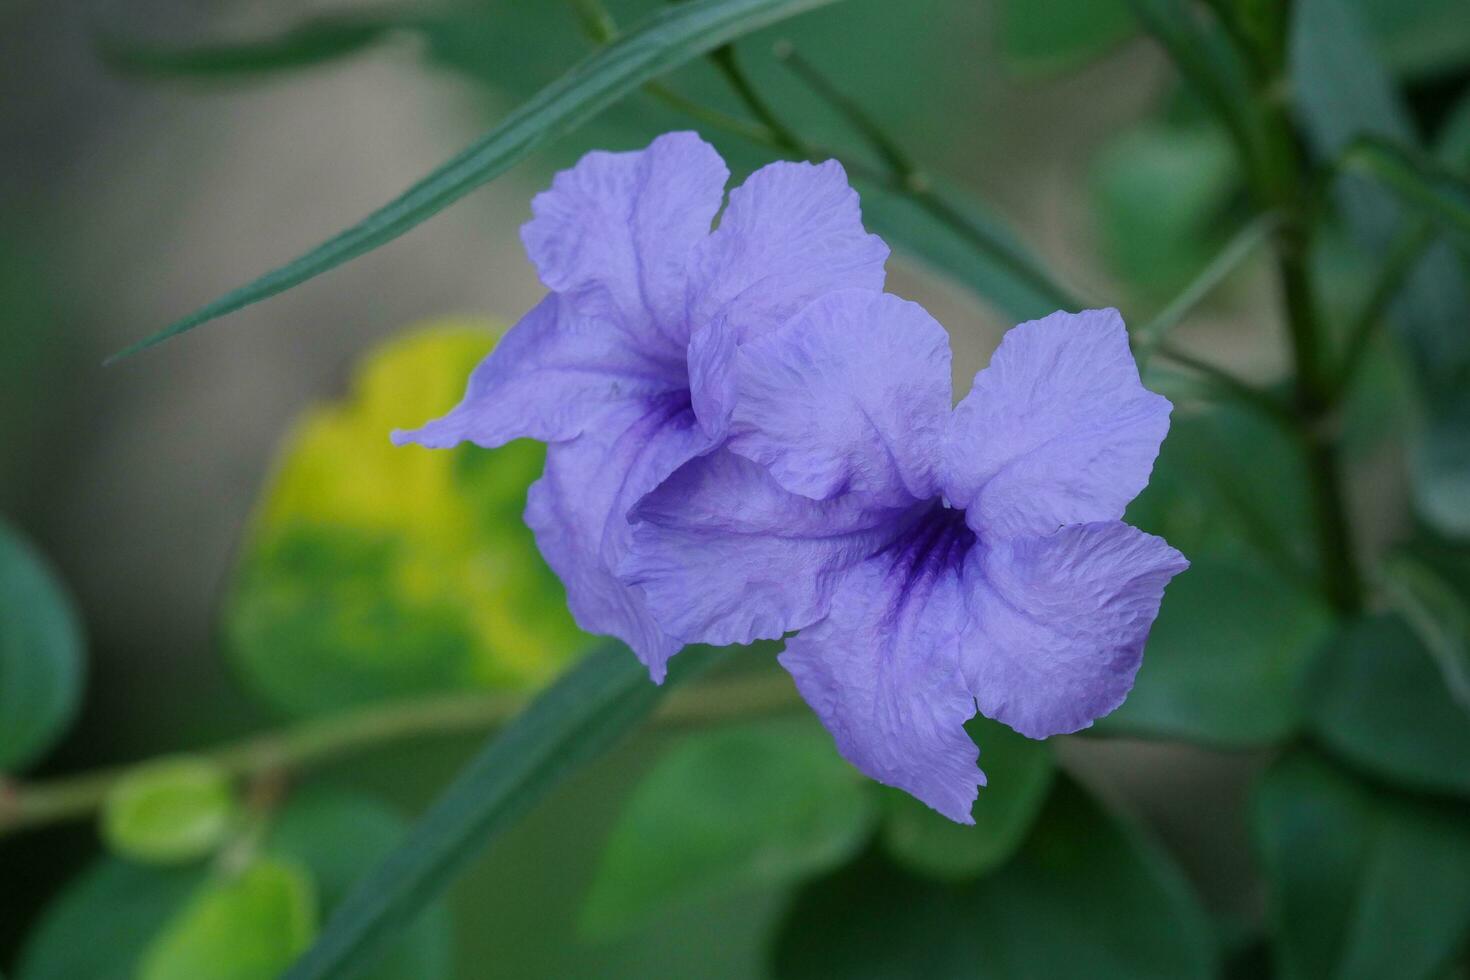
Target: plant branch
(1403,258)
(718,701)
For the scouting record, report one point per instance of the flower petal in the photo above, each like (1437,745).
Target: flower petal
(1057,430)
(852,393)
(882,672)
(1059,623)
(792,232)
(578,512)
(615,232)
(724,555)
(551,375)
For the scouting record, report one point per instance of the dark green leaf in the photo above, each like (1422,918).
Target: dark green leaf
(339,837)
(169,811)
(1419,37)
(1363,884)
(1226,659)
(103,920)
(239,926)
(1416,178)
(1018,773)
(1087,896)
(599,699)
(312,42)
(656,45)
(1379,700)
(726,810)
(41,662)
(1039,38)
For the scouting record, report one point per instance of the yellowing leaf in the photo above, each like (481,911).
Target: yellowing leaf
(373,570)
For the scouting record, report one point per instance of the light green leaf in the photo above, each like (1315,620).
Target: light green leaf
(1380,701)
(103,919)
(169,811)
(656,45)
(1042,38)
(1226,659)
(1018,773)
(243,926)
(374,571)
(1363,884)
(338,837)
(727,810)
(41,660)
(1087,896)
(575,720)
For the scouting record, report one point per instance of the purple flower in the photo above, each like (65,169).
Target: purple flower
(625,368)
(932,557)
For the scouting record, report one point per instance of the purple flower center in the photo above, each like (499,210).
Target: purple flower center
(935,540)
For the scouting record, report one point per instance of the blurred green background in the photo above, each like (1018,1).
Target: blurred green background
(243,549)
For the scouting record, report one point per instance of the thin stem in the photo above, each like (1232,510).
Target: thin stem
(719,701)
(786,139)
(887,148)
(1237,388)
(1403,259)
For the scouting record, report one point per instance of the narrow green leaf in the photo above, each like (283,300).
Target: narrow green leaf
(1362,883)
(41,663)
(1018,774)
(244,926)
(1087,896)
(575,720)
(729,810)
(312,42)
(656,45)
(1379,700)
(1443,196)
(170,811)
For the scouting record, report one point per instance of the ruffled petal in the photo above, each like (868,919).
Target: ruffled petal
(1059,623)
(724,555)
(614,234)
(882,672)
(1057,430)
(850,394)
(578,511)
(792,232)
(552,374)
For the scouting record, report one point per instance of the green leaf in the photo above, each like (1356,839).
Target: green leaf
(1419,37)
(1380,701)
(1042,38)
(656,45)
(338,837)
(1416,178)
(1363,884)
(1087,896)
(169,811)
(312,42)
(103,919)
(1018,773)
(244,926)
(41,662)
(728,810)
(576,719)
(1226,659)
(373,571)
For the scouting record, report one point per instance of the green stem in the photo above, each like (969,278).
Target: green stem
(1403,259)
(314,743)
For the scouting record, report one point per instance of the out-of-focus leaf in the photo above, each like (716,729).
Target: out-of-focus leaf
(1041,38)
(171,811)
(1018,773)
(242,926)
(1005,273)
(1441,195)
(1159,193)
(1226,659)
(375,571)
(1363,884)
(339,837)
(314,41)
(41,662)
(1419,37)
(725,810)
(575,720)
(656,45)
(1438,613)
(103,920)
(1086,896)
(1379,700)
